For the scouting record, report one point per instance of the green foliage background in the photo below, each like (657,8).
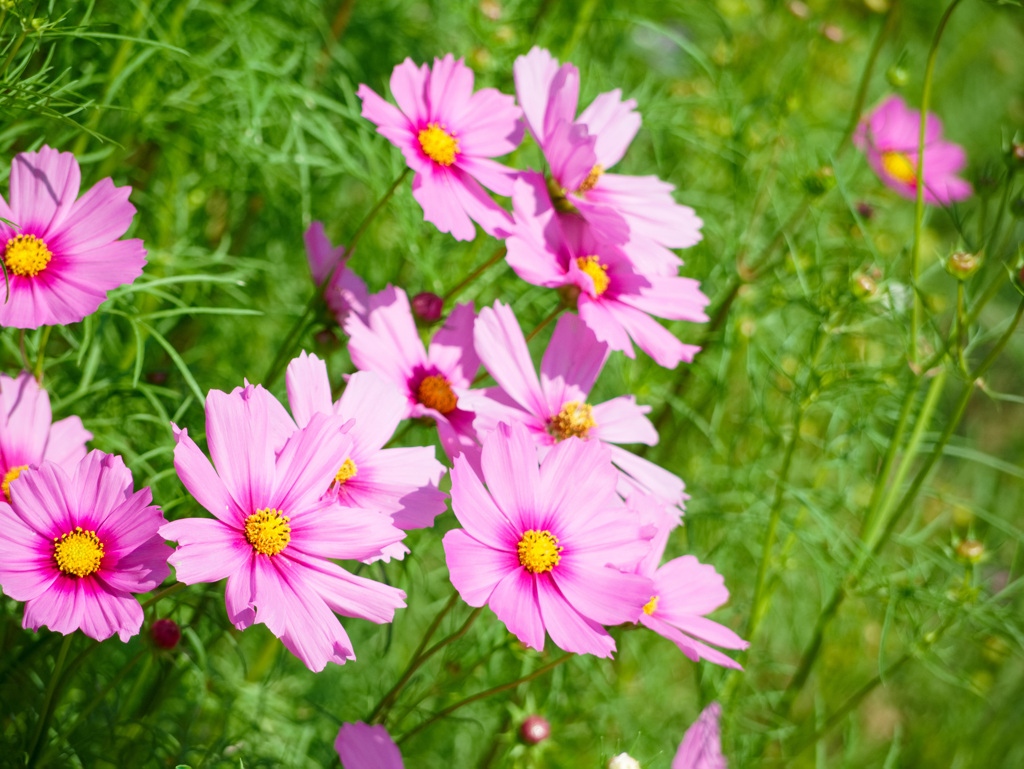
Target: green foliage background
(236,125)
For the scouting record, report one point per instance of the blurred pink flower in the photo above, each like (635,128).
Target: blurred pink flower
(361,746)
(388,344)
(889,136)
(637,211)
(448,134)
(400,482)
(274,529)
(345,292)
(555,407)
(701,747)
(77,543)
(28,434)
(543,547)
(684,591)
(64,254)
(612,298)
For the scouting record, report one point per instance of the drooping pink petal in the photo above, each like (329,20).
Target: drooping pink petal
(701,747)
(366,747)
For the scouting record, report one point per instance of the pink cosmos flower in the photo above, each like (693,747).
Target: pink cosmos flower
(701,747)
(64,255)
(400,482)
(367,747)
(346,292)
(556,407)
(274,529)
(388,344)
(613,299)
(637,211)
(889,136)
(543,547)
(28,434)
(448,134)
(684,591)
(77,543)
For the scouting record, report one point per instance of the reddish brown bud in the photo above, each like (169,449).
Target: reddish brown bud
(535,729)
(427,307)
(166,633)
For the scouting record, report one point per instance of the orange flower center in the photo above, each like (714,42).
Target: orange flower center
(435,393)
(598,273)
(575,419)
(591,181)
(268,532)
(78,553)
(899,167)
(651,606)
(348,470)
(439,145)
(539,551)
(9,477)
(26,255)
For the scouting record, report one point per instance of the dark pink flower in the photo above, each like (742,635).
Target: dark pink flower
(556,406)
(28,434)
(361,746)
(78,543)
(613,299)
(544,546)
(274,530)
(448,134)
(400,482)
(388,344)
(701,747)
(889,138)
(345,292)
(636,211)
(64,254)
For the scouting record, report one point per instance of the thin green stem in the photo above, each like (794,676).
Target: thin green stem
(461,285)
(482,695)
(368,219)
(915,254)
(46,713)
(163,594)
(551,316)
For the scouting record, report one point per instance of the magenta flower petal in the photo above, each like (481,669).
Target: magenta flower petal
(571,363)
(567,627)
(44,186)
(366,747)
(623,420)
(701,747)
(476,568)
(201,480)
(309,389)
(515,602)
(503,349)
(614,122)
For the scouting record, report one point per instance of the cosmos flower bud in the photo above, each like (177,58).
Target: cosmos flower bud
(897,76)
(970,550)
(427,306)
(535,729)
(623,761)
(166,633)
(962,265)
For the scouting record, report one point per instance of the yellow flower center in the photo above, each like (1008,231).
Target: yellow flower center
(899,167)
(597,271)
(539,551)
(435,393)
(9,477)
(268,531)
(78,553)
(651,606)
(26,255)
(439,145)
(591,181)
(575,418)
(348,470)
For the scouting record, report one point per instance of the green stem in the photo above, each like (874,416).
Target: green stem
(163,594)
(41,354)
(915,255)
(551,316)
(459,287)
(49,700)
(482,695)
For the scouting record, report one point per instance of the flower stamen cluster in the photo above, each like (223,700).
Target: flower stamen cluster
(539,551)
(348,471)
(574,420)
(78,553)
(10,476)
(26,255)
(438,145)
(268,532)
(435,392)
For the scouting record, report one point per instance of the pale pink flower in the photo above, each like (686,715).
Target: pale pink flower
(28,434)
(637,211)
(78,542)
(361,746)
(701,747)
(556,406)
(448,135)
(274,529)
(684,591)
(544,546)
(612,298)
(889,138)
(64,254)
(345,292)
(400,482)
(388,344)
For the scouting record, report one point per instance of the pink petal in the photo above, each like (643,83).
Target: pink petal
(332,531)
(509,462)
(387,343)
(489,127)
(575,479)
(97,219)
(366,747)
(648,476)
(323,257)
(107,611)
(308,464)
(66,444)
(309,389)
(614,122)
(208,550)
(647,204)
(449,88)
(376,405)
(651,337)
(621,420)
(348,594)
(572,362)
(44,186)
(25,417)
(570,631)
(701,747)
(602,594)
(452,350)
(408,86)
(502,347)
(202,481)
(476,569)
(534,74)
(606,326)
(514,602)
(476,510)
